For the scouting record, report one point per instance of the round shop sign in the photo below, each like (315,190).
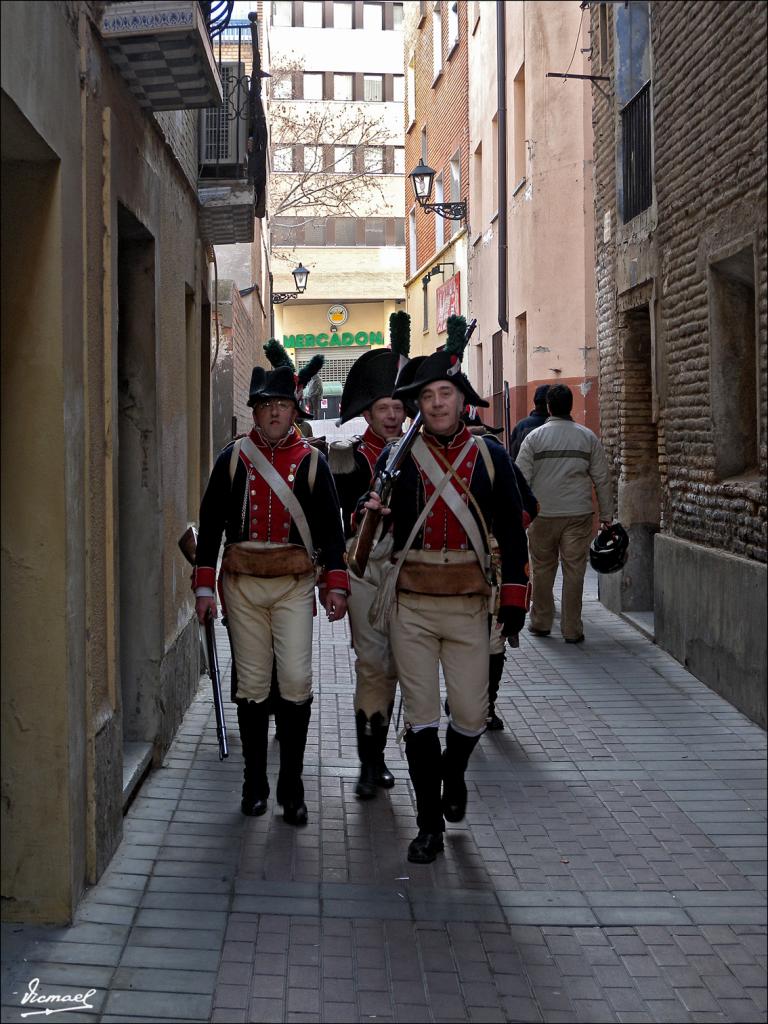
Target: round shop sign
(338,315)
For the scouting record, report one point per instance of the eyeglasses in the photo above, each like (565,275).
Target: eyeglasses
(281,404)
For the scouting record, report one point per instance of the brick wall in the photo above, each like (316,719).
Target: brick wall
(710,141)
(441,106)
(710,193)
(179,127)
(234,363)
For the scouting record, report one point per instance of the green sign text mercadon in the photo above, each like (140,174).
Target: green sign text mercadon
(345,339)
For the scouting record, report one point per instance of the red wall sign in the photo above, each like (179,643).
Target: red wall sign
(448,301)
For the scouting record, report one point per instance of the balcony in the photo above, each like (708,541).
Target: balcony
(164,52)
(233,140)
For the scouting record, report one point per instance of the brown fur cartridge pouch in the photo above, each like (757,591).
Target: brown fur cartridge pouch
(254,558)
(442,580)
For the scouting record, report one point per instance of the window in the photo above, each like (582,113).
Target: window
(373,159)
(439,221)
(412,242)
(437,40)
(733,364)
(344,159)
(282,158)
(478,214)
(342,15)
(411,98)
(455,187)
(453,24)
(373,16)
(342,87)
(603,17)
(373,88)
(313,86)
(314,231)
(399,167)
(346,230)
(313,158)
(520,134)
(313,14)
(375,231)
(637,184)
(282,13)
(399,231)
(398,88)
(397,16)
(424,144)
(282,87)
(284,231)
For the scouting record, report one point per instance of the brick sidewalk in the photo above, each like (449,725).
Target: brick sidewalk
(611,867)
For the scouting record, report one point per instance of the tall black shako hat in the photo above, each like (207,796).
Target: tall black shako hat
(373,375)
(282,381)
(444,365)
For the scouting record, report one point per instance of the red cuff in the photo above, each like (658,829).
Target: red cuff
(526,520)
(516,595)
(337,579)
(204,576)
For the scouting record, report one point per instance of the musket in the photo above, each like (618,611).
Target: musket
(359,552)
(188,548)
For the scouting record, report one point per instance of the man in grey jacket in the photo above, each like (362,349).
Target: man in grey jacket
(562,461)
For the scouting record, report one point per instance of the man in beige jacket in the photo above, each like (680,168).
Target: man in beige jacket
(562,461)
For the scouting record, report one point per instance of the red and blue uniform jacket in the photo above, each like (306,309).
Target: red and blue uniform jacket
(499,501)
(245,508)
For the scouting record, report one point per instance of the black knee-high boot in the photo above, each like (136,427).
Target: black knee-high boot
(380,728)
(495,669)
(458,749)
(422,749)
(292,725)
(253,721)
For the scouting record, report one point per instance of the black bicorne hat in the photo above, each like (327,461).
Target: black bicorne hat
(278,383)
(439,366)
(371,377)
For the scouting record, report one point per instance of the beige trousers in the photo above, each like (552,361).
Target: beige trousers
(429,631)
(563,539)
(266,614)
(374,666)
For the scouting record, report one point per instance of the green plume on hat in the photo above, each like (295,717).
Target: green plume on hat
(315,365)
(457,335)
(277,355)
(400,333)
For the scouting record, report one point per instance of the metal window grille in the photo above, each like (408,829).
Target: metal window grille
(636,154)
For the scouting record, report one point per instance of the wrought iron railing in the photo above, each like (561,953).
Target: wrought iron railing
(233,137)
(217,15)
(637,180)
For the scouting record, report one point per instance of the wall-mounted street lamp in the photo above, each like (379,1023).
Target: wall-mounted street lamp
(300,276)
(422,179)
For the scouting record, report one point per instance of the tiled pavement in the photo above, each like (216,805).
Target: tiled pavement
(611,867)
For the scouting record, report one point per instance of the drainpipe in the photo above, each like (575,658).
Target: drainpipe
(501,166)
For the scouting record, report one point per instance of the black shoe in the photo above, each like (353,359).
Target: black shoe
(384,777)
(539,632)
(493,723)
(425,847)
(366,784)
(295,813)
(254,807)
(575,640)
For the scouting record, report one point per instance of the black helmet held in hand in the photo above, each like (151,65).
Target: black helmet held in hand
(609,551)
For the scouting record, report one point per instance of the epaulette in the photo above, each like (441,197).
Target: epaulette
(341,456)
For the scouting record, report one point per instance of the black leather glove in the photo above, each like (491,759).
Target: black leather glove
(512,620)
